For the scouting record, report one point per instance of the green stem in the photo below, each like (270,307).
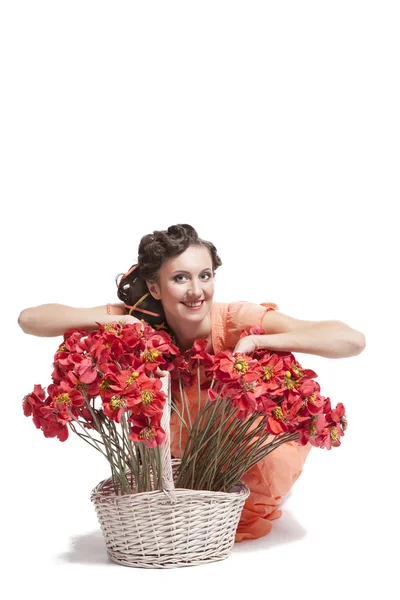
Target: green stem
(184,402)
(197,446)
(133,461)
(83,437)
(234,477)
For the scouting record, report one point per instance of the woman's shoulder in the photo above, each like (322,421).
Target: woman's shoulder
(242,309)
(229,319)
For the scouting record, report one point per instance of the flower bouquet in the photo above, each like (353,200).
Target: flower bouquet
(254,403)
(109,390)
(118,366)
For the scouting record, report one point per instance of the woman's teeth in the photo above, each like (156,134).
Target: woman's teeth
(193,304)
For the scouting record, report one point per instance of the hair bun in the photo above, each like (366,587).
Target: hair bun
(182,229)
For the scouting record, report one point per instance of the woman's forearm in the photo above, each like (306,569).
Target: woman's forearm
(331,339)
(51,320)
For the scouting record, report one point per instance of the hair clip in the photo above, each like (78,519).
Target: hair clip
(161,326)
(135,307)
(130,271)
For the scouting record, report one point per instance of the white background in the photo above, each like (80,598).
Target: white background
(273,129)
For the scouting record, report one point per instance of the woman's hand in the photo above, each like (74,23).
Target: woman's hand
(126,319)
(247,344)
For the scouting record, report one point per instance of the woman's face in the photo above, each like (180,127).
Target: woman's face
(184,279)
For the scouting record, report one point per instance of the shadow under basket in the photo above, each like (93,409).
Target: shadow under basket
(168,529)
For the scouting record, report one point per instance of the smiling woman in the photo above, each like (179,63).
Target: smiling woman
(171,286)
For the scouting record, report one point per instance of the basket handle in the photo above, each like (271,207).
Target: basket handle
(165,447)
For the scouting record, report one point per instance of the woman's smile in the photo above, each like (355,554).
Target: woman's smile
(193,305)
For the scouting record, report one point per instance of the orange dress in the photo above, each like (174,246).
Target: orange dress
(271,478)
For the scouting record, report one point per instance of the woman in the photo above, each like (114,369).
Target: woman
(172,287)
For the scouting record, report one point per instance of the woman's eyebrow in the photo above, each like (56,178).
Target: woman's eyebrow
(188,273)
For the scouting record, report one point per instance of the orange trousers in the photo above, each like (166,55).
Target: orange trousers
(269,480)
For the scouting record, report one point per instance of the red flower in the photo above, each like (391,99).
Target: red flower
(272,373)
(114,406)
(146,430)
(51,426)
(63,398)
(246,404)
(228,367)
(133,337)
(311,429)
(277,422)
(148,399)
(183,371)
(84,368)
(44,416)
(313,402)
(297,371)
(338,415)
(33,400)
(245,396)
(162,342)
(90,390)
(198,353)
(124,382)
(282,418)
(330,437)
(212,395)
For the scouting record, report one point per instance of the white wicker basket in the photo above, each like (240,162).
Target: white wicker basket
(171,528)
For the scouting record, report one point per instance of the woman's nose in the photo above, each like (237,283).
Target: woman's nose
(195,287)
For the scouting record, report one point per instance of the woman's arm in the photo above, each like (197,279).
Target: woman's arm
(330,339)
(50,320)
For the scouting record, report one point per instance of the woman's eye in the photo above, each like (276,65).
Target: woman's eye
(207,275)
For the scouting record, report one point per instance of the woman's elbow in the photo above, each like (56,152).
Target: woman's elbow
(361,342)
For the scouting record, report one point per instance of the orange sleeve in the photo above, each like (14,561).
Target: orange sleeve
(116,309)
(243,315)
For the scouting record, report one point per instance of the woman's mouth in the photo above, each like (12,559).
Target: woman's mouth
(193,305)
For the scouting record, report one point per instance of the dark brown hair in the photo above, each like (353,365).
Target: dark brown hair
(154,249)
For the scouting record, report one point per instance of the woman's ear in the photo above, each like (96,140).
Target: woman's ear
(153,289)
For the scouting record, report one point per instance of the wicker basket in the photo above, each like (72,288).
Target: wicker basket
(171,528)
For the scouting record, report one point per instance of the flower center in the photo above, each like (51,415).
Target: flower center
(334,434)
(110,328)
(290,384)
(117,402)
(311,399)
(249,387)
(297,370)
(147,433)
(132,378)
(63,399)
(150,355)
(278,413)
(241,366)
(268,373)
(147,397)
(82,387)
